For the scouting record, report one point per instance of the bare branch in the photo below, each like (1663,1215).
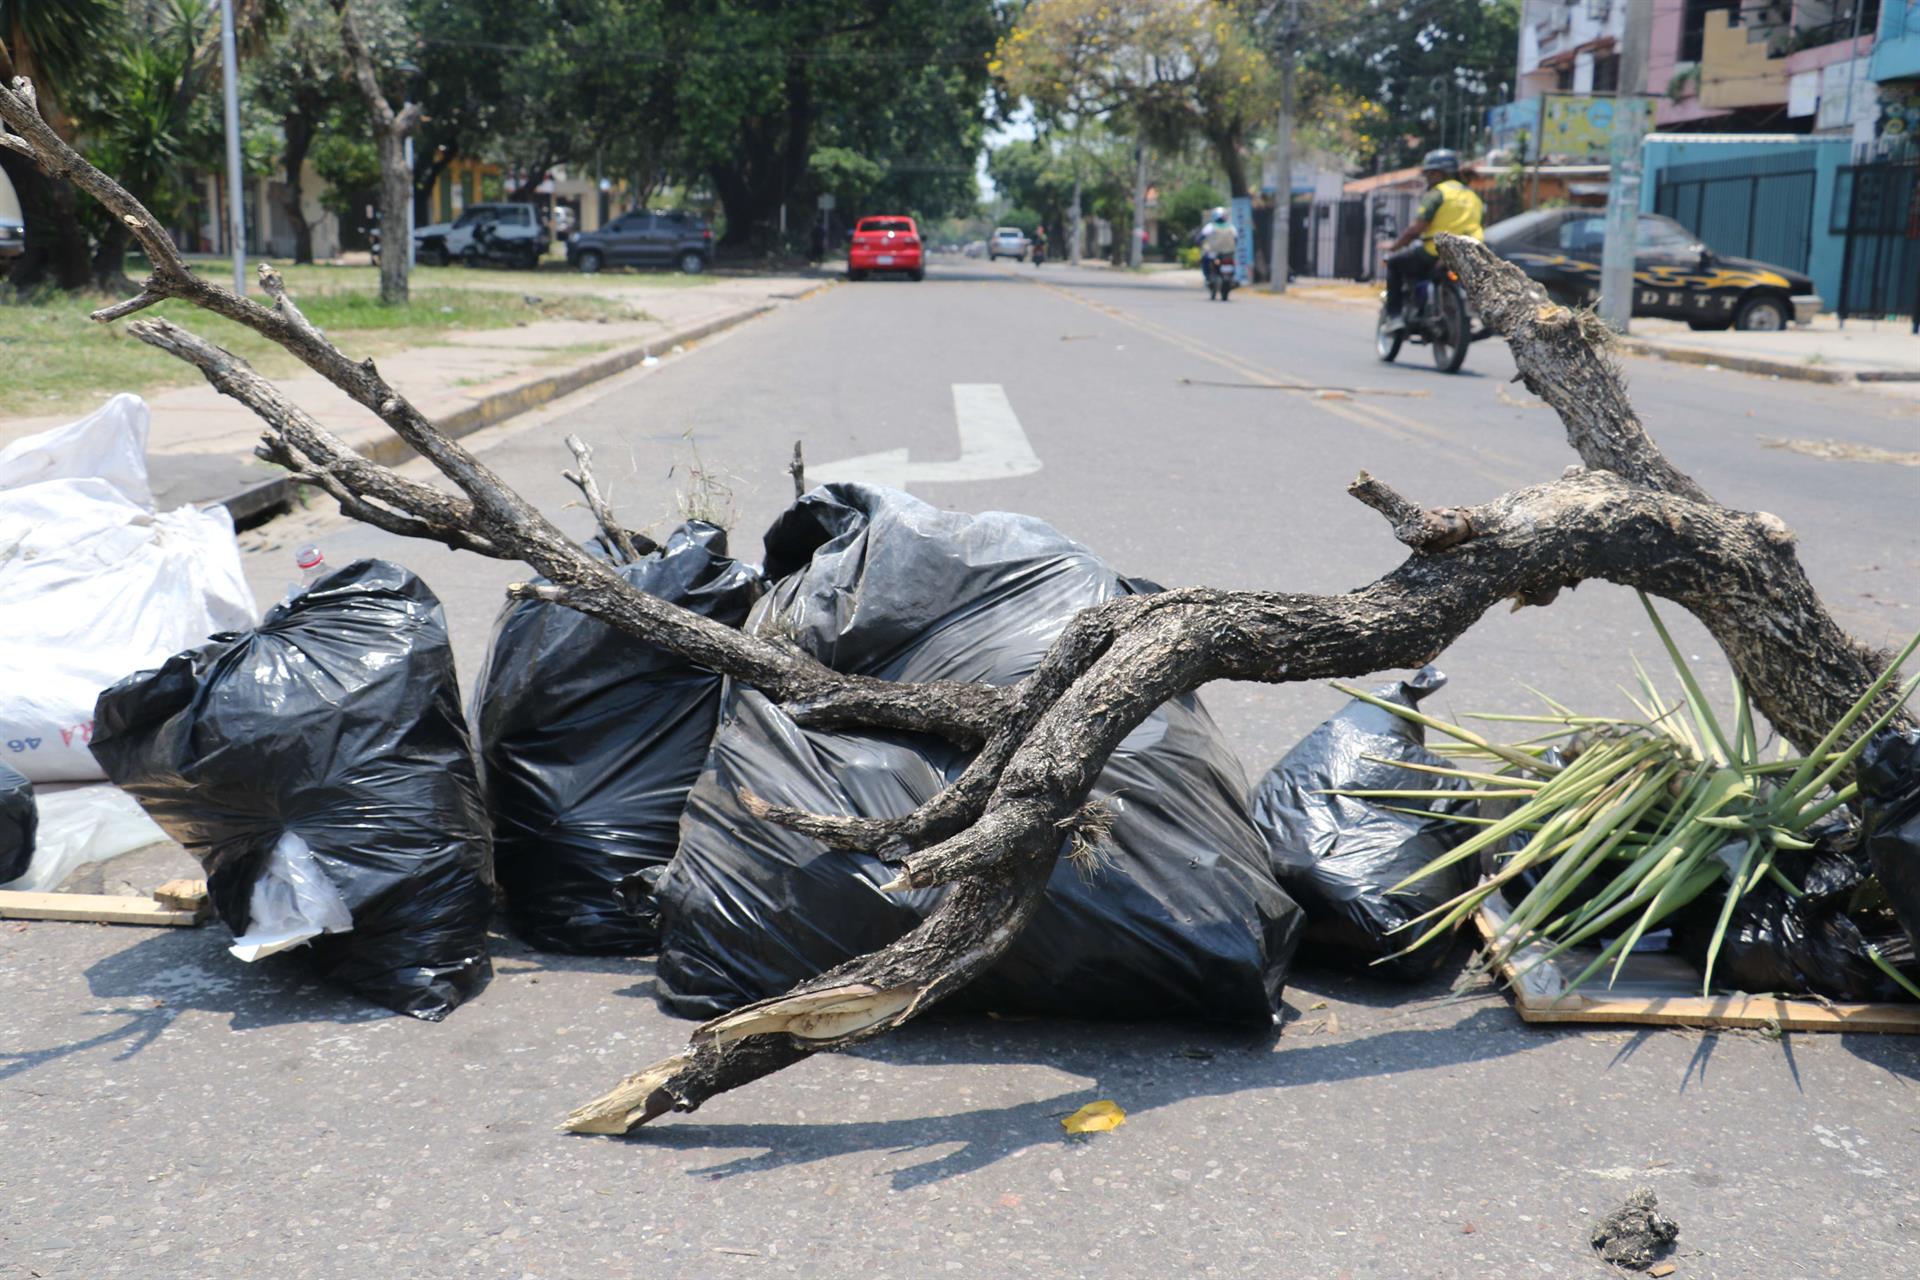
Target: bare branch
(1563,359)
(140,302)
(623,544)
(1419,528)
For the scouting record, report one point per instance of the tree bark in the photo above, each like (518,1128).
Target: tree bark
(390,130)
(298,126)
(1626,516)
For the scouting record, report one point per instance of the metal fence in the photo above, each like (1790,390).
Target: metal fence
(1754,207)
(1330,238)
(1875,209)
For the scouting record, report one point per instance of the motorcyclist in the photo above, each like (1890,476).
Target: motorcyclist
(1449,208)
(1218,239)
(1039,244)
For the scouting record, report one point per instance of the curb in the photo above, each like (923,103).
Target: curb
(258,503)
(1761,365)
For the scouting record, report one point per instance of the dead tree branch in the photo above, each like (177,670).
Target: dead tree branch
(1627,517)
(624,544)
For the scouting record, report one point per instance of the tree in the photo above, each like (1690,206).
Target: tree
(52,43)
(464,59)
(896,80)
(992,836)
(390,130)
(1172,70)
(303,78)
(1428,66)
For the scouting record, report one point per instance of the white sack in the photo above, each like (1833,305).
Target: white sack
(95,586)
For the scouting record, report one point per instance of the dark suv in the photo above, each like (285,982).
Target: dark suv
(645,238)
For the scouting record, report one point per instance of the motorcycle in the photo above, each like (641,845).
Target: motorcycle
(1039,254)
(1437,314)
(488,246)
(1222,277)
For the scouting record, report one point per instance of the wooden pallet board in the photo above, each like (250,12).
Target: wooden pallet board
(1657,989)
(178,902)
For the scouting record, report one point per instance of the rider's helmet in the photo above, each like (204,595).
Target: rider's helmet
(1217,214)
(1444,160)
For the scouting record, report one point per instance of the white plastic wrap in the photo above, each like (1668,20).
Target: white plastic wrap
(94,585)
(80,826)
(292,902)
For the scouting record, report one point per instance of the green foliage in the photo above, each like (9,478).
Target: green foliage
(1185,209)
(348,163)
(1409,66)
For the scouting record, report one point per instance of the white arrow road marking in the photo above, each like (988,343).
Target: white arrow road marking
(993,446)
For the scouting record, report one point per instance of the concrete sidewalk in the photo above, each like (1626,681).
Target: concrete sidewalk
(201,446)
(1824,351)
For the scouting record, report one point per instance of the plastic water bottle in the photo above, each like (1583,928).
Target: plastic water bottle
(312,565)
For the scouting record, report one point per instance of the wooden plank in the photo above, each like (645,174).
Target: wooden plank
(183,895)
(98,908)
(1660,990)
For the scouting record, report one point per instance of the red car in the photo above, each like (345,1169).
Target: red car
(889,242)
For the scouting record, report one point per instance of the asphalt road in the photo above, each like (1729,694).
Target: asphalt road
(165,1111)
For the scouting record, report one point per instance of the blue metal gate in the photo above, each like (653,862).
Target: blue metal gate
(1754,207)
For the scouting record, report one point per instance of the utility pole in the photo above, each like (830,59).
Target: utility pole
(1136,252)
(1279,240)
(1630,122)
(236,210)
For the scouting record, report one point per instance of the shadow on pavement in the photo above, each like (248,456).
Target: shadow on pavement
(161,976)
(1143,1066)
(1197,1063)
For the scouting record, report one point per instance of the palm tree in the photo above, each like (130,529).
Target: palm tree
(51,42)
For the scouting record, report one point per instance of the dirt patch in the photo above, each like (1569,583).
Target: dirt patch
(1842,451)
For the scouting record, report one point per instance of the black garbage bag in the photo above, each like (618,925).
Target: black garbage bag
(18,819)
(1337,856)
(1184,919)
(338,721)
(1816,943)
(1890,782)
(589,742)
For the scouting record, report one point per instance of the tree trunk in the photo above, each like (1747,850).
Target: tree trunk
(426,175)
(298,128)
(396,201)
(1074,220)
(55,250)
(390,130)
(110,262)
(1226,149)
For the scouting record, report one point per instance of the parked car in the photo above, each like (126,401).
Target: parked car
(889,242)
(646,238)
(975,249)
(515,225)
(13,238)
(1675,276)
(1008,242)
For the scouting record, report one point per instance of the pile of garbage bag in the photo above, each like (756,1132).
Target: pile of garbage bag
(1818,942)
(589,742)
(1339,856)
(319,768)
(1890,783)
(95,584)
(1183,917)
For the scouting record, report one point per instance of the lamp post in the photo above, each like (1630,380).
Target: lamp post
(236,210)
